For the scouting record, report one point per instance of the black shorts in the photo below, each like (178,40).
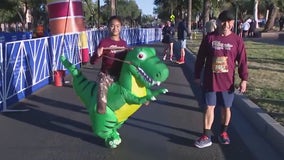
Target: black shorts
(167,39)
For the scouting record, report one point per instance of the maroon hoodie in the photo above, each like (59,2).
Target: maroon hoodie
(220,55)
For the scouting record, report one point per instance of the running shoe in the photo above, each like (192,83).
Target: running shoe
(203,142)
(224,138)
(180,61)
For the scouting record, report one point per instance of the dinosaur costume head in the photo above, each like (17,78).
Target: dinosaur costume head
(146,67)
(142,70)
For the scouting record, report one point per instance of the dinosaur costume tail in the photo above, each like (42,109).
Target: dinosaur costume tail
(103,124)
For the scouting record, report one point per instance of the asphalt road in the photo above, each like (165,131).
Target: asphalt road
(57,127)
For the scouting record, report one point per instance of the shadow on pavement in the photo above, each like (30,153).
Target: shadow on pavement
(53,122)
(172,137)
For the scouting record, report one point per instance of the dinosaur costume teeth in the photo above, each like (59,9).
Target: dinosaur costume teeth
(145,76)
(124,96)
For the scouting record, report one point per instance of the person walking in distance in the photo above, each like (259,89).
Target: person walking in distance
(246,27)
(210,25)
(219,53)
(182,33)
(252,28)
(168,39)
(110,49)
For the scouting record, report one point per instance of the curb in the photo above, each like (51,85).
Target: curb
(264,124)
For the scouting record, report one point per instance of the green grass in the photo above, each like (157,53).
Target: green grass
(266,74)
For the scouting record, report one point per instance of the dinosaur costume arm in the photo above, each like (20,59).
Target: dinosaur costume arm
(133,99)
(157,92)
(151,95)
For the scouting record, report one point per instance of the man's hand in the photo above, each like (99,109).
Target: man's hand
(243,86)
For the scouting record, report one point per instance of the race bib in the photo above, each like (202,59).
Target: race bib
(220,64)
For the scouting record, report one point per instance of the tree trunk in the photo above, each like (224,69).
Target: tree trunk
(99,14)
(206,12)
(189,10)
(255,12)
(21,17)
(273,10)
(113,7)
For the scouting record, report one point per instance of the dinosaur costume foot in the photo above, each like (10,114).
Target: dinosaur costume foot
(113,141)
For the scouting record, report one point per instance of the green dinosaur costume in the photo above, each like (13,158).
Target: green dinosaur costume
(125,96)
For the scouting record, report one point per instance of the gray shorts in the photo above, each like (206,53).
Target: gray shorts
(182,43)
(224,99)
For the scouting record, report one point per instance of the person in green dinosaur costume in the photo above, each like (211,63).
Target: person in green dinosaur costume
(141,70)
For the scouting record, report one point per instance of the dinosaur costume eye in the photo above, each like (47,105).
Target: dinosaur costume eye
(141,55)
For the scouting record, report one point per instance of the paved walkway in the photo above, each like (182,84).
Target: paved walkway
(57,127)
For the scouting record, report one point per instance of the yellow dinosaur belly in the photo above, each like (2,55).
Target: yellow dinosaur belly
(128,109)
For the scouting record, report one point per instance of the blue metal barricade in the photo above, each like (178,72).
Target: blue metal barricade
(28,65)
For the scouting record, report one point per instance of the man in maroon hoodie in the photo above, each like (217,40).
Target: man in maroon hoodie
(219,53)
